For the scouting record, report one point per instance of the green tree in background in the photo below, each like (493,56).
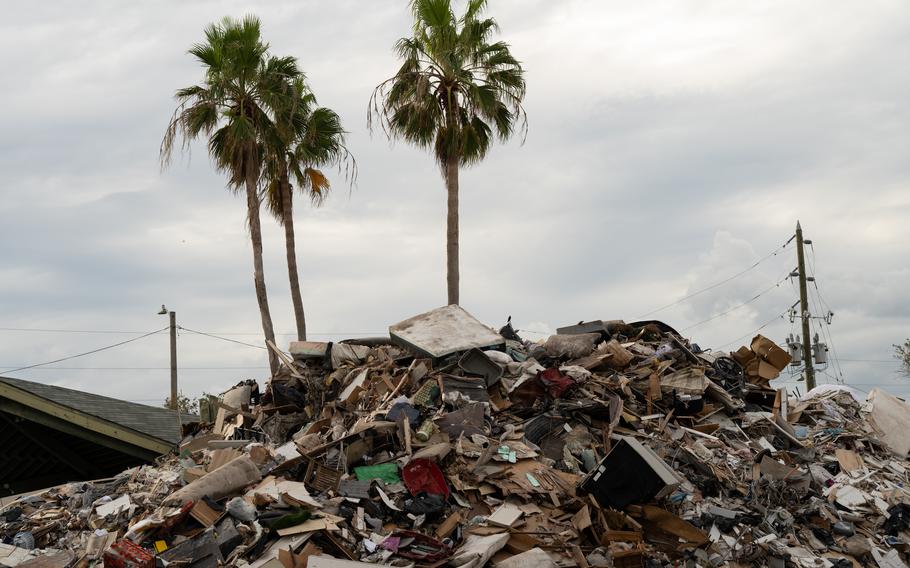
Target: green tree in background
(184,404)
(902,353)
(456,90)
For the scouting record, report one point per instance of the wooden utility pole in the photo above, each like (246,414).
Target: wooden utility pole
(804,309)
(173,319)
(172,316)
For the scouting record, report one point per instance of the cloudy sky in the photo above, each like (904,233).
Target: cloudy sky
(671,145)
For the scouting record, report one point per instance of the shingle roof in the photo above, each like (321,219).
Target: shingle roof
(150,420)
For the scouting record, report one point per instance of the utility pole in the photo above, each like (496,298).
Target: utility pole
(804,309)
(173,317)
(173,321)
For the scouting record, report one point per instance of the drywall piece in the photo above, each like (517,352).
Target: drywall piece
(534,558)
(114,507)
(291,493)
(848,460)
(443,331)
(890,417)
(505,516)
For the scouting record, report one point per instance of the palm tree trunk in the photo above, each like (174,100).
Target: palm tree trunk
(287,219)
(452,276)
(252,204)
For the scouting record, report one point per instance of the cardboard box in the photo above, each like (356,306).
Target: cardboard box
(767,371)
(770,352)
(743,356)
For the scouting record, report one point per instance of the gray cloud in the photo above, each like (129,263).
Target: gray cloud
(670,145)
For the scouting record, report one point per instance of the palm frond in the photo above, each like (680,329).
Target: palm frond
(317,185)
(456,87)
(432,13)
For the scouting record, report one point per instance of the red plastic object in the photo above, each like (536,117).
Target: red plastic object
(557,384)
(125,554)
(424,476)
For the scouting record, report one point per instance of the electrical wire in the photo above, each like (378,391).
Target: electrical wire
(822,328)
(125,332)
(105,348)
(44,330)
(326,333)
(826,328)
(213,336)
(738,306)
(771,254)
(761,327)
(807,357)
(145,368)
(816,309)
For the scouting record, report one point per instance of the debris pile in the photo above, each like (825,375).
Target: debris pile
(451,444)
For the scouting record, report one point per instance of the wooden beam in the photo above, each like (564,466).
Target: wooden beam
(84,420)
(288,362)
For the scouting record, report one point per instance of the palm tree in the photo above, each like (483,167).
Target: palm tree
(455,91)
(234,108)
(308,137)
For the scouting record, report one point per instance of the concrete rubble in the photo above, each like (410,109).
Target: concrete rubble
(448,443)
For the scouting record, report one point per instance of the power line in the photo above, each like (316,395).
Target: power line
(532,331)
(859,389)
(293,334)
(826,336)
(44,330)
(771,254)
(738,306)
(826,327)
(213,336)
(147,368)
(106,347)
(817,310)
(127,332)
(761,327)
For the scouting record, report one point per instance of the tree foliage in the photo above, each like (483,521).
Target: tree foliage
(456,89)
(235,107)
(902,354)
(185,404)
(308,137)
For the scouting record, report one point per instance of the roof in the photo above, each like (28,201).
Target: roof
(149,420)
